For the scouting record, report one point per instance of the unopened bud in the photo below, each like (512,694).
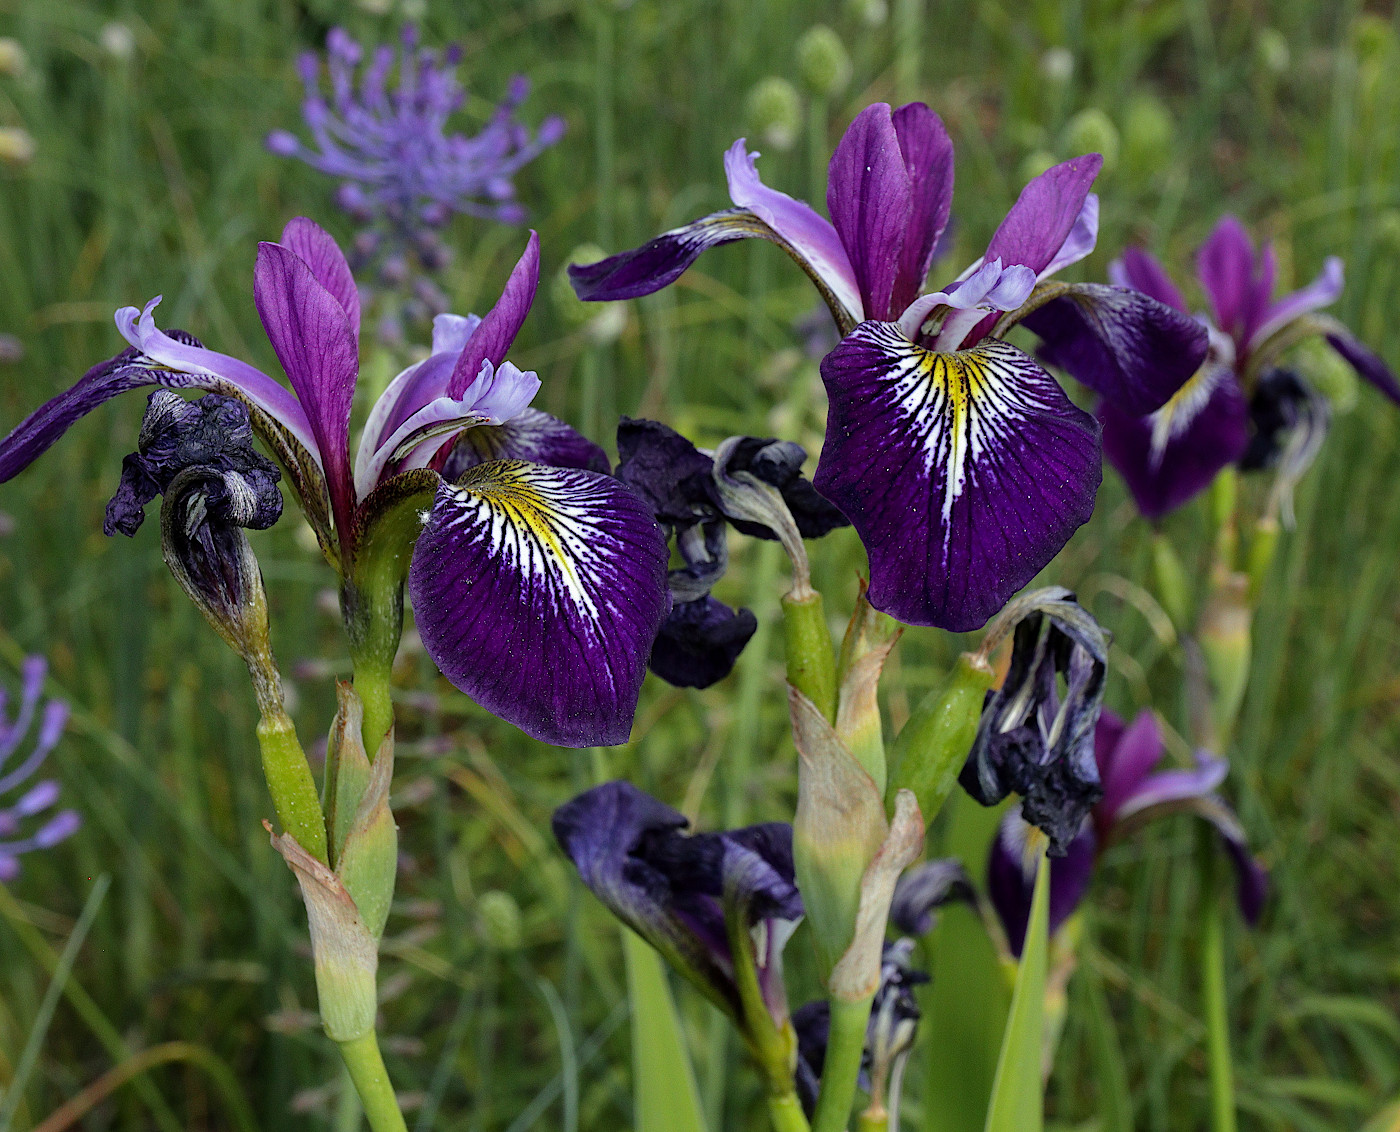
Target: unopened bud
(823,61)
(1093,131)
(1034,164)
(12,57)
(1148,135)
(872,13)
(1271,49)
(1057,65)
(499,916)
(16,146)
(774,110)
(1328,373)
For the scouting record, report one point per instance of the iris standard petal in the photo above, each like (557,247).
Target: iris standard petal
(1045,214)
(1225,267)
(1127,347)
(318,250)
(1126,754)
(493,337)
(807,236)
(1169,789)
(533,436)
(538,591)
(428,429)
(1168,457)
(963,473)
(870,198)
(928,162)
(313,339)
(1083,238)
(1369,365)
(1142,272)
(1323,291)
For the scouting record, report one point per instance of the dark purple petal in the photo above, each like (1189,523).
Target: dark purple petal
(319,251)
(1011,884)
(1368,365)
(928,162)
(778,463)
(493,337)
(314,341)
(925,888)
(1044,214)
(660,262)
(700,642)
(533,436)
(963,473)
(1251,878)
(1170,456)
(1124,345)
(539,591)
(1141,271)
(1126,756)
(1225,267)
(667,470)
(870,197)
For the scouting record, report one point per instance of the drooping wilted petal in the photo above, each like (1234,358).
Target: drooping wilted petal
(778,463)
(1045,214)
(1131,349)
(928,161)
(666,470)
(870,198)
(531,435)
(539,591)
(926,888)
(963,473)
(1142,272)
(1011,877)
(313,339)
(700,641)
(1168,457)
(493,337)
(318,250)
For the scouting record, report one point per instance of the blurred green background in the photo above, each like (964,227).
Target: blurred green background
(502,983)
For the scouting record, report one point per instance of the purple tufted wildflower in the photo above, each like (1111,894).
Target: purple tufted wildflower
(26,822)
(1238,408)
(960,462)
(402,174)
(1134,792)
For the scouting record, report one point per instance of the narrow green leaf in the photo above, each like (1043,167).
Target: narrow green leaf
(665,1098)
(1018,1090)
(1115,1100)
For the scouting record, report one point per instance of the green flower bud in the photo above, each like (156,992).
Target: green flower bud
(1034,164)
(12,57)
(16,146)
(1271,50)
(774,110)
(1371,38)
(872,13)
(1327,372)
(1057,65)
(823,61)
(499,917)
(1092,131)
(1148,135)
(570,307)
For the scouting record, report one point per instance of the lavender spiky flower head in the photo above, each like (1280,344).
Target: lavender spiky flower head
(23,826)
(402,174)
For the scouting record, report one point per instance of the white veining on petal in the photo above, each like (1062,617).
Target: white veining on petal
(1183,407)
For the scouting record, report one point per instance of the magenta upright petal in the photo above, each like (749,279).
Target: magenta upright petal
(928,161)
(490,340)
(1044,214)
(963,473)
(314,341)
(538,592)
(1225,267)
(319,251)
(1142,272)
(870,197)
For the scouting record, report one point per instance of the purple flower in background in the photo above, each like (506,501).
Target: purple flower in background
(389,145)
(1134,792)
(538,584)
(1232,410)
(961,463)
(27,822)
(710,903)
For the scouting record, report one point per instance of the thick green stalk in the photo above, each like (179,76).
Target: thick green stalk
(290,783)
(787,1114)
(877,1121)
(844,1048)
(811,661)
(1222,1073)
(371,1079)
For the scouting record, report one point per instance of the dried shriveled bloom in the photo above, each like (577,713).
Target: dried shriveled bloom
(538,584)
(1238,407)
(28,821)
(1135,791)
(961,463)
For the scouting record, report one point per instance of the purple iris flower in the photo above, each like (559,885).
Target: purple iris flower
(1166,457)
(26,823)
(538,584)
(708,902)
(1134,792)
(961,463)
(390,147)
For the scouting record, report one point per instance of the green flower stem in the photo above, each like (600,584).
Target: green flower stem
(290,783)
(1222,1073)
(873,1121)
(811,661)
(844,1048)
(373,682)
(371,1079)
(787,1114)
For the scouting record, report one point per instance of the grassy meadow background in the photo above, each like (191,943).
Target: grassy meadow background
(504,1004)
